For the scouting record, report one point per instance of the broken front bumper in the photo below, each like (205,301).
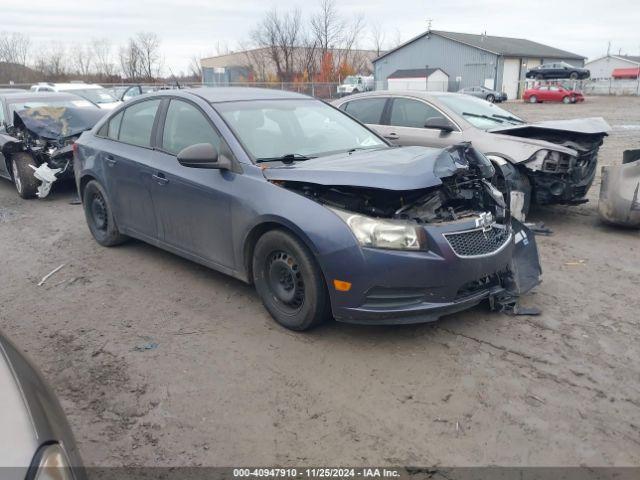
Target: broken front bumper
(620,192)
(567,188)
(400,287)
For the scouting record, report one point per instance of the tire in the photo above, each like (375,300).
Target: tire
(99,215)
(539,76)
(566,100)
(574,76)
(289,281)
(533,99)
(491,98)
(26,184)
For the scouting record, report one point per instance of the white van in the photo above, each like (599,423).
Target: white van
(93,92)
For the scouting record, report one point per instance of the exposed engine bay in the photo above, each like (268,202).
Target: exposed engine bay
(565,175)
(47,134)
(465,192)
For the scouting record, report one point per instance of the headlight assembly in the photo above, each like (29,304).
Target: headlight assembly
(381,233)
(52,464)
(550,162)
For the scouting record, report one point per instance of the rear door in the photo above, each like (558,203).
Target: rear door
(369,111)
(406,120)
(128,160)
(192,205)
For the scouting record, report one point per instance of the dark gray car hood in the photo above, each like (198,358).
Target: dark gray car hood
(405,168)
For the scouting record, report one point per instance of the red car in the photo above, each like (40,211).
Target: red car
(552,93)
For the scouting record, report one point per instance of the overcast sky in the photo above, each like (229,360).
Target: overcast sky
(195,27)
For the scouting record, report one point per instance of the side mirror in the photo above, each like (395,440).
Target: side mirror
(203,155)
(439,123)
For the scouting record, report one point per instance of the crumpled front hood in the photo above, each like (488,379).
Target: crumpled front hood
(404,168)
(55,123)
(520,142)
(590,126)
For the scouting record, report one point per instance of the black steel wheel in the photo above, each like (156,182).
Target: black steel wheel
(99,216)
(289,281)
(491,98)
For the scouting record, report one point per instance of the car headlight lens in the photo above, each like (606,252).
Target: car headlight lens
(381,233)
(550,162)
(53,464)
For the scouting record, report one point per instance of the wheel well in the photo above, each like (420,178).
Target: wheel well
(83,183)
(252,239)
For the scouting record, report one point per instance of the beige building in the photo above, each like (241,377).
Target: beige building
(260,64)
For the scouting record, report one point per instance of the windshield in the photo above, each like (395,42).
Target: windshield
(351,81)
(479,113)
(271,129)
(95,95)
(25,105)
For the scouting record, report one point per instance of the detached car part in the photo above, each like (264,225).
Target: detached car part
(619,202)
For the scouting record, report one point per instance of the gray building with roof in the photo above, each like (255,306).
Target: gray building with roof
(470,60)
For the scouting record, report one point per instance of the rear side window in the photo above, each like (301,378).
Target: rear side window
(367,110)
(137,123)
(184,126)
(114,126)
(411,113)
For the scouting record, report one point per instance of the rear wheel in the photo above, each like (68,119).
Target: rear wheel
(573,76)
(491,98)
(539,76)
(26,184)
(533,99)
(289,281)
(97,211)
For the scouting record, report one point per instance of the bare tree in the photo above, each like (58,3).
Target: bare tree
(327,26)
(82,60)
(195,67)
(280,34)
(130,60)
(14,47)
(103,60)
(378,38)
(148,46)
(51,61)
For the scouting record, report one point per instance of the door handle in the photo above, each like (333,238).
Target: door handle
(111,161)
(392,136)
(160,178)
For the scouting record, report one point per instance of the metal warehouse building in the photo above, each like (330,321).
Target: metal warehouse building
(471,60)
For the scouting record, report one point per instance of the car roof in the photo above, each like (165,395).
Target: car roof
(408,93)
(234,94)
(26,96)
(77,86)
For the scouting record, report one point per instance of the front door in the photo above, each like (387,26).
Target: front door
(407,118)
(192,205)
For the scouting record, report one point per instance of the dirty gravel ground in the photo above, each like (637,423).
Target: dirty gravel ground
(227,386)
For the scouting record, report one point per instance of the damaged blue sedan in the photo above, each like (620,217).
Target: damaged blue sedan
(320,213)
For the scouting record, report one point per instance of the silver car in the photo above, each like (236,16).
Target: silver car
(552,162)
(35,439)
(485,94)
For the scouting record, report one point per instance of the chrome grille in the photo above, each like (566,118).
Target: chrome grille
(478,242)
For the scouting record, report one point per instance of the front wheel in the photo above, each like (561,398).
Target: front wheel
(26,184)
(533,99)
(573,76)
(491,98)
(566,100)
(99,215)
(289,282)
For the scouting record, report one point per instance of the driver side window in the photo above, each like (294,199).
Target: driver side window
(185,125)
(411,113)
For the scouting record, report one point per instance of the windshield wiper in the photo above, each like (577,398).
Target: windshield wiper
(509,118)
(286,158)
(487,117)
